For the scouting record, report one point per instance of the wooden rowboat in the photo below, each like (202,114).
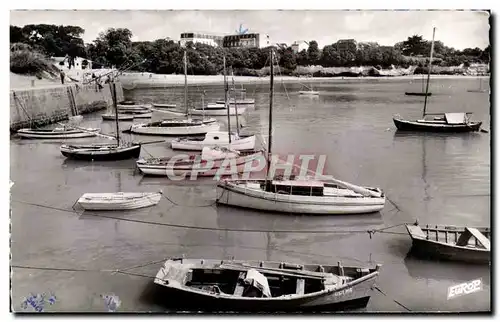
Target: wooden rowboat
(161,105)
(121,117)
(465,244)
(250,286)
(57,133)
(119,200)
(418,94)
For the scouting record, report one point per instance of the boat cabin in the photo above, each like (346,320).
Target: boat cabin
(447,118)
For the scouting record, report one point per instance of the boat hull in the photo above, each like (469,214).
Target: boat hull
(405,125)
(218,167)
(353,294)
(246,143)
(440,251)
(121,117)
(308,93)
(160,105)
(88,153)
(69,134)
(88,202)
(240,196)
(417,94)
(218,112)
(247,101)
(177,130)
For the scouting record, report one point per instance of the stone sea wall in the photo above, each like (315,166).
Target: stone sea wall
(49,104)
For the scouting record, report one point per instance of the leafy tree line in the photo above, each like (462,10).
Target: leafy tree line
(115,48)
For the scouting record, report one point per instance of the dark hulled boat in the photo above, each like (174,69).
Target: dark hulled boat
(105,152)
(252,286)
(464,244)
(440,122)
(418,94)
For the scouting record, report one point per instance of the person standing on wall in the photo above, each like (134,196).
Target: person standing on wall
(61,73)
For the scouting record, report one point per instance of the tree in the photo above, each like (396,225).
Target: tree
(112,47)
(313,53)
(414,45)
(287,59)
(330,57)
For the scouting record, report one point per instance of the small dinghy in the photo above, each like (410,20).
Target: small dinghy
(143,115)
(133,107)
(57,133)
(253,286)
(464,244)
(119,200)
(308,92)
(219,110)
(161,105)
(211,162)
(418,94)
(127,103)
(244,101)
(121,117)
(212,139)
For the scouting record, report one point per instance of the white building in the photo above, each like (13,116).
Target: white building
(299,45)
(250,40)
(63,62)
(207,39)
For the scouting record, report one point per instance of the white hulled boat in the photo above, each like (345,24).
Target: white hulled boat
(119,200)
(212,139)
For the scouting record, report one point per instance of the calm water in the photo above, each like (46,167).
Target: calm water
(437,179)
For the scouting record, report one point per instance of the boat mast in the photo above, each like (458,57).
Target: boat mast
(185,83)
(271,94)
(225,102)
(115,106)
(235,105)
(429,71)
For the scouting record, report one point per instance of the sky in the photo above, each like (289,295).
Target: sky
(458,29)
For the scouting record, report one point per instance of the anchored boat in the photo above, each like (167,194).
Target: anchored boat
(233,285)
(212,139)
(119,200)
(306,196)
(439,122)
(211,162)
(465,244)
(57,133)
(104,152)
(121,117)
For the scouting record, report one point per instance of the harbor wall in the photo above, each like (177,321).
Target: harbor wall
(53,103)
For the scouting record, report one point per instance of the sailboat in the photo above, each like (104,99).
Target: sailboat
(311,91)
(233,141)
(187,126)
(439,122)
(422,93)
(104,152)
(330,196)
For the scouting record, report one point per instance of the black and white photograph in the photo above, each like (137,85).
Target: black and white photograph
(238,161)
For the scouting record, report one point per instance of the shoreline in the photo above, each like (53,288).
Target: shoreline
(144,80)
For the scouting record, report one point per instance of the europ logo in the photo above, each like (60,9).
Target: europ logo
(465,288)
